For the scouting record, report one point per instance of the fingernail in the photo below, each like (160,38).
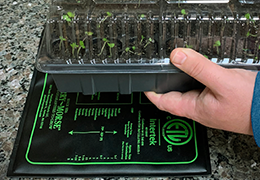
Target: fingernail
(179,58)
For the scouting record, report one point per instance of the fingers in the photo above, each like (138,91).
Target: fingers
(177,103)
(199,67)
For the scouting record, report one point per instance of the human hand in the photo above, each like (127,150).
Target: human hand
(224,104)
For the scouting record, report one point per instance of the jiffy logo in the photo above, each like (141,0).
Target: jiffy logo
(177,132)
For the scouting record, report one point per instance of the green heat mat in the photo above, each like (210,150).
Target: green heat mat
(103,135)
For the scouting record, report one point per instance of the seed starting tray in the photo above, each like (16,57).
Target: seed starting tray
(103,135)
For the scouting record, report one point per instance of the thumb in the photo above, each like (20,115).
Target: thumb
(198,67)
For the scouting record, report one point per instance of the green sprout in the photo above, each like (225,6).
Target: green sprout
(247,16)
(67,17)
(142,38)
(259,47)
(74,46)
(206,56)
(81,45)
(249,34)
(188,46)
(256,58)
(150,40)
(61,40)
(142,16)
(88,33)
(111,45)
(129,50)
(183,12)
(217,44)
(102,49)
(109,14)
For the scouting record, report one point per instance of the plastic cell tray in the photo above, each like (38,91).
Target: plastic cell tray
(124,46)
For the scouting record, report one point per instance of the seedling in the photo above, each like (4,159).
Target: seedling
(109,14)
(81,45)
(259,47)
(249,18)
(142,38)
(183,12)
(61,40)
(217,45)
(249,34)
(206,56)
(74,46)
(129,50)
(68,17)
(188,46)
(142,16)
(88,33)
(150,40)
(102,49)
(111,45)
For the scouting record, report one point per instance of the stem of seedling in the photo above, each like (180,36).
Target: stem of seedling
(217,44)
(102,49)
(128,50)
(88,33)
(111,45)
(81,45)
(61,40)
(142,38)
(74,46)
(249,34)
(109,14)
(149,41)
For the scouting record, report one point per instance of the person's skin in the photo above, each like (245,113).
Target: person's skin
(224,104)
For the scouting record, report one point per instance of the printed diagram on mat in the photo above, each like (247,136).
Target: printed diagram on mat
(107,128)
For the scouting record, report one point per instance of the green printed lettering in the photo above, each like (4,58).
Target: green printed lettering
(152,135)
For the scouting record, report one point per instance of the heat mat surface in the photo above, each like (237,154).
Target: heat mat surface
(103,135)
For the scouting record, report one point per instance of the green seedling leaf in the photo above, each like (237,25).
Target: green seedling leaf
(217,43)
(247,16)
(142,16)
(206,56)
(134,47)
(70,14)
(127,49)
(89,33)
(150,39)
(109,14)
(111,45)
(105,39)
(66,18)
(183,12)
(256,58)
(81,43)
(259,47)
(74,45)
(62,38)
